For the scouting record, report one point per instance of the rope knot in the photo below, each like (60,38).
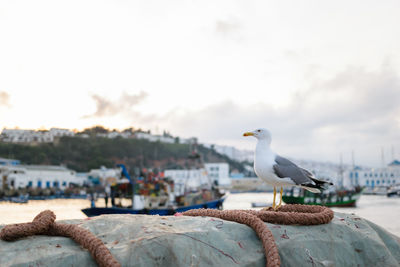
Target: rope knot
(44,224)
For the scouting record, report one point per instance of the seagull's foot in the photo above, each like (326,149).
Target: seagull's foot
(278,206)
(268,209)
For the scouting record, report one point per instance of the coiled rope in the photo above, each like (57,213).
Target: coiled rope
(44,224)
(287,214)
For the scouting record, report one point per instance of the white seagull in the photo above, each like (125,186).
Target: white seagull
(278,171)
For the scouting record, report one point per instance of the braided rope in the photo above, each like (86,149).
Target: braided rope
(44,224)
(287,214)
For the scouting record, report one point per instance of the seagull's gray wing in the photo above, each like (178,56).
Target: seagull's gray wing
(285,168)
(308,173)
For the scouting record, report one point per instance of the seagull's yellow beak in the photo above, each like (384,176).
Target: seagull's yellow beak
(248,134)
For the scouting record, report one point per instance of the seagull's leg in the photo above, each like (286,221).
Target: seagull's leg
(273,203)
(280,200)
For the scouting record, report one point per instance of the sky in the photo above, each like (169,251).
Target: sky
(322,76)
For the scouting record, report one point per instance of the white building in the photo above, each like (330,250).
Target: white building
(193,179)
(373,177)
(21,176)
(111,135)
(104,175)
(4,161)
(58,132)
(219,172)
(188,180)
(154,138)
(32,136)
(165,138)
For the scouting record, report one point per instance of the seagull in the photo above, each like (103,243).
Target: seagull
(278,171)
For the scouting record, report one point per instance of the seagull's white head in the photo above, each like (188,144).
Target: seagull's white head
(260,134)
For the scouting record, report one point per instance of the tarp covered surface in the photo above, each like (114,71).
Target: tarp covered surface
(143,240)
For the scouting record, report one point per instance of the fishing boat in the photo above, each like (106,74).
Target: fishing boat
(154,194)
(145,202)
(330,198)
(394,191)
(21,199)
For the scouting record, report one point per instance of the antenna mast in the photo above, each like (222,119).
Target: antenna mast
(392,152)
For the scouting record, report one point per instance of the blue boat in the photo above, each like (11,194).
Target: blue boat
(214,204)
(22,199)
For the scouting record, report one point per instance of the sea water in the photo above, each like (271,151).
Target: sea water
(380,210)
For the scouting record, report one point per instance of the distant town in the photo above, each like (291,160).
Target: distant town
(32,137)
(59,176)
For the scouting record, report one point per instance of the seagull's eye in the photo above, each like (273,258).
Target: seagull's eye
(258,130)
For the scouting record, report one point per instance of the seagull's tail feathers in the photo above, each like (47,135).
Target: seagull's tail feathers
(320,182)
(317,186)
(316,183)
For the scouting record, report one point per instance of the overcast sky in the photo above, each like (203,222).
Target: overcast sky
(323,76)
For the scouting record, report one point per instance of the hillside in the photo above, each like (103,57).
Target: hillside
(83,154)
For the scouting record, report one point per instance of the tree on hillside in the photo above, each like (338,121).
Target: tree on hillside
(98,129)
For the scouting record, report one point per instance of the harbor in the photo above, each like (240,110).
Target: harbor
(218,189)
(191,133)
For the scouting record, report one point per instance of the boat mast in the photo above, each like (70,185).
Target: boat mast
(392,152)
(341,171)
(196,160)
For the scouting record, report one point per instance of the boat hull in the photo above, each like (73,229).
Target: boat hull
(393,194)
(90,212)
(316,199)
(300,200)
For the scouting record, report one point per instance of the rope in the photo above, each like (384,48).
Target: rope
(287,214)
(44,224)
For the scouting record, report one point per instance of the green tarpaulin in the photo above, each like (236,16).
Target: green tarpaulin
(143,240)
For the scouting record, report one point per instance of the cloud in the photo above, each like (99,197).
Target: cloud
(4,99)
(123,109)
(354,105)
(353,95)
(229,28)
(356,109)
(106,107)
